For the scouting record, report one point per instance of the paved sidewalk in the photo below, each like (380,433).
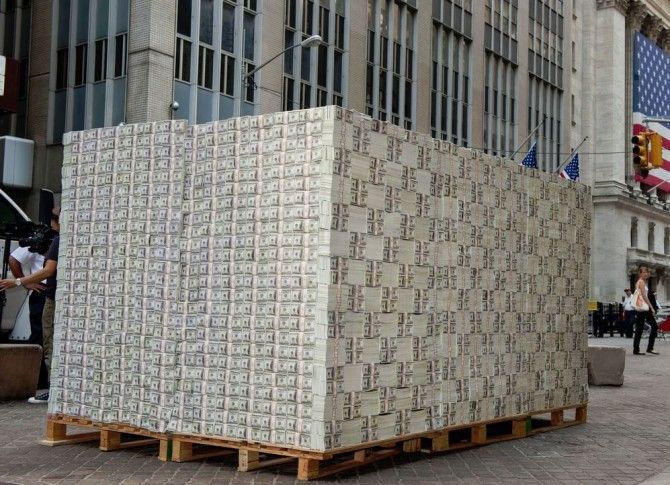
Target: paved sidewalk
(626,440)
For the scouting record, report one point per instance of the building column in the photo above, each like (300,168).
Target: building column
(610,133)
(151,45)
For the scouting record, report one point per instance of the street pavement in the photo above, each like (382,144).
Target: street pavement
(626,440)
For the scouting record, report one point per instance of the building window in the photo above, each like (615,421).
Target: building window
(633,232)
(303,18)
(183,60)
(227,78)
(120,51)
(666,241)
(80,65)
(205,61)
(100,68)
(451,105)
(650,237)
(391,61)
(61,68)
(184,8)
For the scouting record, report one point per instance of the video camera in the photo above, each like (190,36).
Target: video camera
(36,237)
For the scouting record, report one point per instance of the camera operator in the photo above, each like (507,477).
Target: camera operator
(48,272)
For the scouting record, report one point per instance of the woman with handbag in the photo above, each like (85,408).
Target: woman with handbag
(644,312)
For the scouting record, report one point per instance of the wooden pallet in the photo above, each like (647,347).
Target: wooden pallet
(111,436)
(311,464)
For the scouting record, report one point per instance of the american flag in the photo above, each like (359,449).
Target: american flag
(530,160)
(651,98)
(571,170)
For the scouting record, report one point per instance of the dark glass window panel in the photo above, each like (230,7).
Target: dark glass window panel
(444,113)
(305,64)
(249,91)
(382,89)
(504,107)
(395,94)
(396,58)
(383,52)
(456,23)
(454,86)
(488,33)
(464,123)
(408,99)
(437,9)
(321,97)
(434,75)
(80,65)
(308,17)
(250,4)
(324,15)
(184,17)
(290,14)
(369,84)
(288,94)
(446,14)
(467,24)
(305,96)
(512,111)
(228,27)
(486,99)
(433,108)
(339,29)
(205,61)
(100,67)
(454,118)
(120,52)
(61,68)
(495,102)
(466,87)
(337,74)
(288,57)
(249,35)
(322,65)
(183,61)
(227,78)
(206,21)
(338,100)
(409,63)
(371,46)
(445,79)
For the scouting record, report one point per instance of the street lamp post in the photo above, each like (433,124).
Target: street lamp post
(310,41)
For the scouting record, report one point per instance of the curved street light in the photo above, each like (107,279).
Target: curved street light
(310,41)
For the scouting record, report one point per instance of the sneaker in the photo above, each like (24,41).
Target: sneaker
(639,353)
(653,352)
(40,398)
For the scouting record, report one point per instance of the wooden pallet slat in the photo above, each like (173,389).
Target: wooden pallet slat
(314,464)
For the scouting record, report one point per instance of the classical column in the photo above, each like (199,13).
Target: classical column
(610,97)
(151,43)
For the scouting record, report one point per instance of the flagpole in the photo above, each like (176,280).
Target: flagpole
(544,118)
(572,154)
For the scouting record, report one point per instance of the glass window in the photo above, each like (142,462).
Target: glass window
(206,21)
(227,79)
(249,35)
(184,17)
(120,49)
(183,60)
(61,68)
(80,65)
(100,68)
(228,27)
(205,67)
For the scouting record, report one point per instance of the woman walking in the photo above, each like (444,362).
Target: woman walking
(644,312)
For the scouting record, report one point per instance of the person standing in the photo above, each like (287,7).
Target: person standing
(50,273)
(628,313)
(644,316)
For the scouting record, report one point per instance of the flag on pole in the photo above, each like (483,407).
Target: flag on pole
(530,160)
(571,170)
(651,98)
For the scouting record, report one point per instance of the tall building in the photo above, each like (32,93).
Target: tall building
(482,74)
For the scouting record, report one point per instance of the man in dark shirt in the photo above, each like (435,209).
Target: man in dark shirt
(49,272)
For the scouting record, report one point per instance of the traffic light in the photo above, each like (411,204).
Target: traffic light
(640,152)
(656,151)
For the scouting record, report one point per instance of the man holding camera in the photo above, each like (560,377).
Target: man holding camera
(41,303)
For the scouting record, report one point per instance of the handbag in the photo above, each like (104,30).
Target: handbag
(639,305)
